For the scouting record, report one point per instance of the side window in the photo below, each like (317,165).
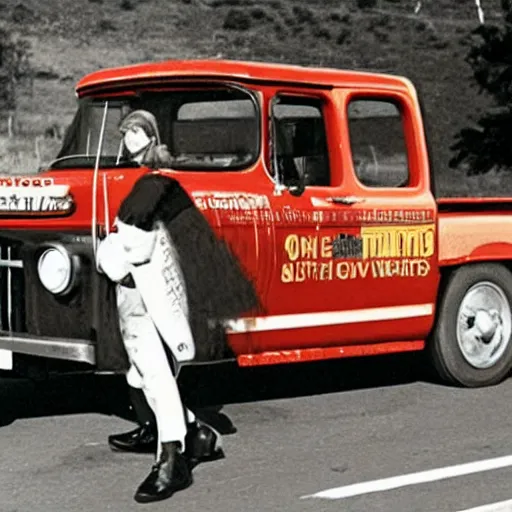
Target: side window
(111,140)
(215,130)
(377,143)
(301,142)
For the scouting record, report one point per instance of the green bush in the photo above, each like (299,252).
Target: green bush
(107,26)
(258,13)
(343,36)
(127,5)
(303,14)
(322,33)
(236,19)
(366,4)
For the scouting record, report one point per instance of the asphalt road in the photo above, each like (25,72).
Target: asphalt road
(290,431)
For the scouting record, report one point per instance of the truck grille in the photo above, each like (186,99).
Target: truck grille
(27,307)
(87,314)
(12,288)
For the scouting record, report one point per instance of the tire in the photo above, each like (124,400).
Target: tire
(461,353)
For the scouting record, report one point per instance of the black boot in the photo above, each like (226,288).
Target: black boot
(144,438)
(141,440)
(201,444)
(169,475)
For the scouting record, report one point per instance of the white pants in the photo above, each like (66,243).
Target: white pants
(150,369)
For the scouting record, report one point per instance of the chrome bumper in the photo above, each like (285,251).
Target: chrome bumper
(81,351)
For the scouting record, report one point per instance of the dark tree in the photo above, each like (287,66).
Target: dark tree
(15,68)
(488,145)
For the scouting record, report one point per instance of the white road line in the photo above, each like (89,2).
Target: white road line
(421,477)
(501,506)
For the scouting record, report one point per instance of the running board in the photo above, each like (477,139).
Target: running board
(321,354)
(82,351)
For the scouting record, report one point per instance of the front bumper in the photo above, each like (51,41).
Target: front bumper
(81,351)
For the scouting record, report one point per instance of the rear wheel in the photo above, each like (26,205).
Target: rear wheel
(471,344)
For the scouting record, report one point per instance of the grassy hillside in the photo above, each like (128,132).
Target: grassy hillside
(70,38)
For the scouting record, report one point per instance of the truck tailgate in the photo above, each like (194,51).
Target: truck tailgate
(474,229)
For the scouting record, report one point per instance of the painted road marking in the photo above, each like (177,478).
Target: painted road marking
(421,477)
(501,506)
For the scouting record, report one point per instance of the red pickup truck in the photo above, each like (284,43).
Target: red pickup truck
(318,179)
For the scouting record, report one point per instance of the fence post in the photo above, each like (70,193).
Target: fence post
(38,149)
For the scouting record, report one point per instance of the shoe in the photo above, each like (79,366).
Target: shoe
(169,475)
(141,440)
(202,445)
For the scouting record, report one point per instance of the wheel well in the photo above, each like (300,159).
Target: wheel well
(444,278)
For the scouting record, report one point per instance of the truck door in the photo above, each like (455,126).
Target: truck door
(311,289)
(355,263)
(396,213)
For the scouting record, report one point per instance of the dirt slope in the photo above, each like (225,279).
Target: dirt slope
(72,37)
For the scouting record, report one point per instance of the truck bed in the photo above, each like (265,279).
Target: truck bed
(474,229)
(474,204)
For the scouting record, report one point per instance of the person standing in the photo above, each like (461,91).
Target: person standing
(176,284)
(138,255)
(142,140)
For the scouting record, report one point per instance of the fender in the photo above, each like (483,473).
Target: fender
(468,239)
(497,251)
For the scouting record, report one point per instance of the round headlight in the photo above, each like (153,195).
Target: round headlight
(55,270)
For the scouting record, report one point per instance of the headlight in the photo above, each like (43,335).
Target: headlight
(55,270)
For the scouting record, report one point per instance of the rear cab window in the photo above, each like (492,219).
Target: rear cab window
(377,142)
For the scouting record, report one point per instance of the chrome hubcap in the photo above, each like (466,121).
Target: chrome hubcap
(484,325)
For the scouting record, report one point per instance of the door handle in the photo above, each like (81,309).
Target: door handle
(345,199)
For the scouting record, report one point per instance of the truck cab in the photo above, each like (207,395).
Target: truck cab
(318,179)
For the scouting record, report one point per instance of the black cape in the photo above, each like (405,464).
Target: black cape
(216,283)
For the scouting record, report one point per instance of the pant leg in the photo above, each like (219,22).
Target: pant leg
(144,412)
(133,377)
(146,353)
(175,367)
(127,305)
(191,417)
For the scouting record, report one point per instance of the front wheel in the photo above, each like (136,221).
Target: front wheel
(471,345)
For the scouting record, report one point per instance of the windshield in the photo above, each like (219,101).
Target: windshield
(215,128)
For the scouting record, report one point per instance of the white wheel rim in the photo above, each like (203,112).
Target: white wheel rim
(484,324)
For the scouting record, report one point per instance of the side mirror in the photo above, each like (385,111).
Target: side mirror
(283,164)
(297,186)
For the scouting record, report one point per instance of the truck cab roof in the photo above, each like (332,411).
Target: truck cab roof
(260,72)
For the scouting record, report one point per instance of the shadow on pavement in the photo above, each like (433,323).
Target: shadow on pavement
(207,389)
(58,395)
(227,383)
